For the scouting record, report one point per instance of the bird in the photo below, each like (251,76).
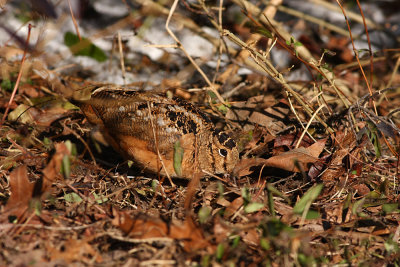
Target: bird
(169,136)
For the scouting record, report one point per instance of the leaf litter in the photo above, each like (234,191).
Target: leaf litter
(306,192)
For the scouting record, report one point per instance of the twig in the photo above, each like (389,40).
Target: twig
(19,76)
(269,69)
(180,46)
(121,56)
(52,228)
(243,55)
(156,145)
(83,142)
(312,19)
(352,15)
(301,52)
(394,72)
(371,55)
(74,21)
(157,9)
(308,125)
(234,90)
(356,55)
(218,178)
(87,199)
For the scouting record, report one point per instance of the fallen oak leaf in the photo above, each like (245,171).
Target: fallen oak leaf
(141,227)
(346,151)
(288,161)
(243,167)
(21,193)
(52,170)
(303,156)
(190,233)
(255,141)
(289,140)
(145,227)
(75,250)
(260,110)
(234,206)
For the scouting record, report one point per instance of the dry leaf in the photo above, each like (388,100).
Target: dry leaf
(52,170)
(258,110)
(243,167)
(251,237)
(361,189)
(75,250)
(346,146)
(221,230)
(287,160)
(233,207)
(289,140)
(190,233)
(21,193)
(144,226)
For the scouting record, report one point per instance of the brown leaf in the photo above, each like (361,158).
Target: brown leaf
(361,189)
(52,170)
(75,250)
(140,227)
(243,167)
(316,148)
(258,144)
(318,167)
(345,144)
(384,231)
(21,192)
(29,90)
(337,214)
(191,190)
(251,237)
(286,212)
(32,115)
(48,116)
(144,226)
(190,233)
(260,110)
(289,140)
(233,207)
(287,160)
(221,230)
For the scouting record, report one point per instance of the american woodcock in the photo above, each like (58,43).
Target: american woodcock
(145,126)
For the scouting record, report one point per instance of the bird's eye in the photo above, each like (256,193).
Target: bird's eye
(223,152)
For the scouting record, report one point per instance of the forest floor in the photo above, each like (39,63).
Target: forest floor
(311,91)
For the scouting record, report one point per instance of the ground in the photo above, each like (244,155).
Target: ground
(308,90)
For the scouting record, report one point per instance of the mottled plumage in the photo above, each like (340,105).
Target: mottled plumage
(123,115)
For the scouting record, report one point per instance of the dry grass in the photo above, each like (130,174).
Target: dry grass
(318,179)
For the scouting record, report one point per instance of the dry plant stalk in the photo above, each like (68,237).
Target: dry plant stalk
(270,70)
(156,144)
(302,53)
(19,76)
(212,86)
(356,53)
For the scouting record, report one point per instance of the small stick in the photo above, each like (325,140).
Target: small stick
(74,21)
(121,56)
(211,86)
(308,125)
(19,76)
(156,145)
